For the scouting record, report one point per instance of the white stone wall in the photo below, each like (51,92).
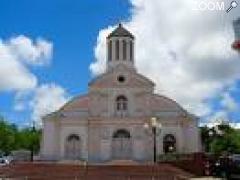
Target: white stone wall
(192,135)
(100,142)
(49,149)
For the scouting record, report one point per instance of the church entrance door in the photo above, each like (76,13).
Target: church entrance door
(169,143)
(121,144)
(73,147)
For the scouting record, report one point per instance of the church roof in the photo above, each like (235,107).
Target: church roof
(120,31)
(163,103)
(77,103)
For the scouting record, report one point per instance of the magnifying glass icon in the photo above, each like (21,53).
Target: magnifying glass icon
(233,4)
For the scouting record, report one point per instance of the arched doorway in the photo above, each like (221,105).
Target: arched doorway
(73,147)
(121,144)
(169,143)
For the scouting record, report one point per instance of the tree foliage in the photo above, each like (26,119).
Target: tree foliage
(221,139)
(14,138)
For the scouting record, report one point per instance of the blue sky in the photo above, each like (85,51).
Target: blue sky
(72,27)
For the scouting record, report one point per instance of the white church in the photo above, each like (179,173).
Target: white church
(113,120)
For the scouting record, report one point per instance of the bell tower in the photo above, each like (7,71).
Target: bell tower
(120,48)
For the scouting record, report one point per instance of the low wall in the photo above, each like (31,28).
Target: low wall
(193,163)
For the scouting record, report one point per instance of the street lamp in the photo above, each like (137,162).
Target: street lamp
(155,127)
(33,130)
(170,149)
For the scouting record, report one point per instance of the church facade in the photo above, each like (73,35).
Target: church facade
(107,123)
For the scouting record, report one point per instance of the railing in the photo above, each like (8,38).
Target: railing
(175,157)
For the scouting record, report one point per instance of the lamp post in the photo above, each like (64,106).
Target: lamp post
(155,127)
(33,130)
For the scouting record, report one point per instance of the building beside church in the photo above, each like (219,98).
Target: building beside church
(236,28)
(107,123)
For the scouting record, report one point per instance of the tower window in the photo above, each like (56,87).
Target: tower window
(124,49)
(131,50)
(117,50)
(110,50)
(121,103)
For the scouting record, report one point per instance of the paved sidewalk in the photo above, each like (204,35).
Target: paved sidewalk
(206,178)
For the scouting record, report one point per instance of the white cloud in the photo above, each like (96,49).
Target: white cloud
(235,125)
(99,66)
(229,103)
(219,116)
(24,49)
(16,54)
(216,118)
(187,53)
(210,125)
(47,98)
(20,100)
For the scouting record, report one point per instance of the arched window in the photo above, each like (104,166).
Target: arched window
(73,137)
(121,103)
(169,143)
(110,50)
(131,50)
(121,133)
(117,49)
(124,49)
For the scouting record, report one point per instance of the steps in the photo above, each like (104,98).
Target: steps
(51,171)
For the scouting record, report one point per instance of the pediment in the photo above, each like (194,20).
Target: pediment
(131,80)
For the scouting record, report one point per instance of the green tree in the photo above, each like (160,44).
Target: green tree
(13,138)
(227,141)
(205,138)
(7,136)
(221,138)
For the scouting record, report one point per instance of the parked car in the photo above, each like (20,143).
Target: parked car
(3,161)
(234,166)
(225,166)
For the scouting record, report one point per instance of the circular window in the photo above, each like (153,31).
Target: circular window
(121,79)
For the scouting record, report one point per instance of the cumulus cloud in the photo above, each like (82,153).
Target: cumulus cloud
(41,100)
(16,55)
(185,51)
(229,103)
(220,117)
(47,98)
(21,100)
